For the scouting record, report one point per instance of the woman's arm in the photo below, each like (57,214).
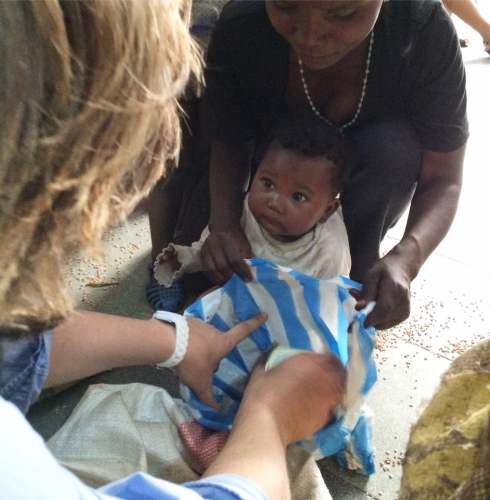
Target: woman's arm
(431,214)
(88,343)
(280,407)
(225,249)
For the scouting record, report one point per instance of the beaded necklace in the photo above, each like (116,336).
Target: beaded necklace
(363,93)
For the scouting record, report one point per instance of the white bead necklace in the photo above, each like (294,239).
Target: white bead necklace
(363,93)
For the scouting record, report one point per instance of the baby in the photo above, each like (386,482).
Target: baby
(292,214)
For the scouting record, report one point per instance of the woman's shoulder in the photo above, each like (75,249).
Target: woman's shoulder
(414,14)
(244,25)
(405,26)
(244,30)
(243,11)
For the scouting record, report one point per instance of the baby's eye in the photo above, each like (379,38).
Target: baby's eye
(267,183)
(299,197)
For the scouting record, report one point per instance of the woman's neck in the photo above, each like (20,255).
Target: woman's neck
(335,91)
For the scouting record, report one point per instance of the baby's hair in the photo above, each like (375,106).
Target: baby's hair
(88,117)
(313,137)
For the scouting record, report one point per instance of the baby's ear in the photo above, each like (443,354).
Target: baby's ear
(330,210)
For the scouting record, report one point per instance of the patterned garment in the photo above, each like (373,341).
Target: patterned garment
(304,313)
(203,443)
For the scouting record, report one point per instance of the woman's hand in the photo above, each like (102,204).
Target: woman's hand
(224,253)
(207,347)
(432,211)
(300,394)
(227,246)
(387,283)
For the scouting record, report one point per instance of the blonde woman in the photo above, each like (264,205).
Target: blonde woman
(88,117)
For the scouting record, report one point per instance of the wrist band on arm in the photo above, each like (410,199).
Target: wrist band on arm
(181,337)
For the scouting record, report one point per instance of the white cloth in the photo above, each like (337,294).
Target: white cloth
(28,471)
(118,430)
(324,254)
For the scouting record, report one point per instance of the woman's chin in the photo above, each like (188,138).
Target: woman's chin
(319,63)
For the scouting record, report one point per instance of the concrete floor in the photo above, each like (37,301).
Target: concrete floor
(450,310)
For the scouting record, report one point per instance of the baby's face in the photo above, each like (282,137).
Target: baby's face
(291,193)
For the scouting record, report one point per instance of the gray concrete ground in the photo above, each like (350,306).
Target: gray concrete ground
(450,312)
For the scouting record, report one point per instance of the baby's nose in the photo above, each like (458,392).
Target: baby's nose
(276,204)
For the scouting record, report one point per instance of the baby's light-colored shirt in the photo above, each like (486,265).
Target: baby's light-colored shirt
(322,253)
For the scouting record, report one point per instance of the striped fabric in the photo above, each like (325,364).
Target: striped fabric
(304,313)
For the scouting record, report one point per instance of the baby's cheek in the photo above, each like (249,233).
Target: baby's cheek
(254,204)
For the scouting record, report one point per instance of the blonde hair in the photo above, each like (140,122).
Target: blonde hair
(88,116)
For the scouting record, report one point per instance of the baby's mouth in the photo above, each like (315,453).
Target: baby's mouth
(270,221)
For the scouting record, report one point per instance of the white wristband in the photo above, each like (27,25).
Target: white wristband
(181,337)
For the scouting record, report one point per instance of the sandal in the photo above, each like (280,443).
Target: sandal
(162,298)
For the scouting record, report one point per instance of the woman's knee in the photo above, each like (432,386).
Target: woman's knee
(388,150)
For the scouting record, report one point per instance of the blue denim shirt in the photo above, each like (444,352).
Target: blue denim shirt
(24,366)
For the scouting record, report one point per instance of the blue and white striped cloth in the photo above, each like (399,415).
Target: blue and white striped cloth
(304,313)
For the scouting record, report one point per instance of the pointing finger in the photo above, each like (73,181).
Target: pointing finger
(241,331)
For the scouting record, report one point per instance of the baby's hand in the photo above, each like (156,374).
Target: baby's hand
(169,256)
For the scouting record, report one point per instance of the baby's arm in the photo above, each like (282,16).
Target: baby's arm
(174,261)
